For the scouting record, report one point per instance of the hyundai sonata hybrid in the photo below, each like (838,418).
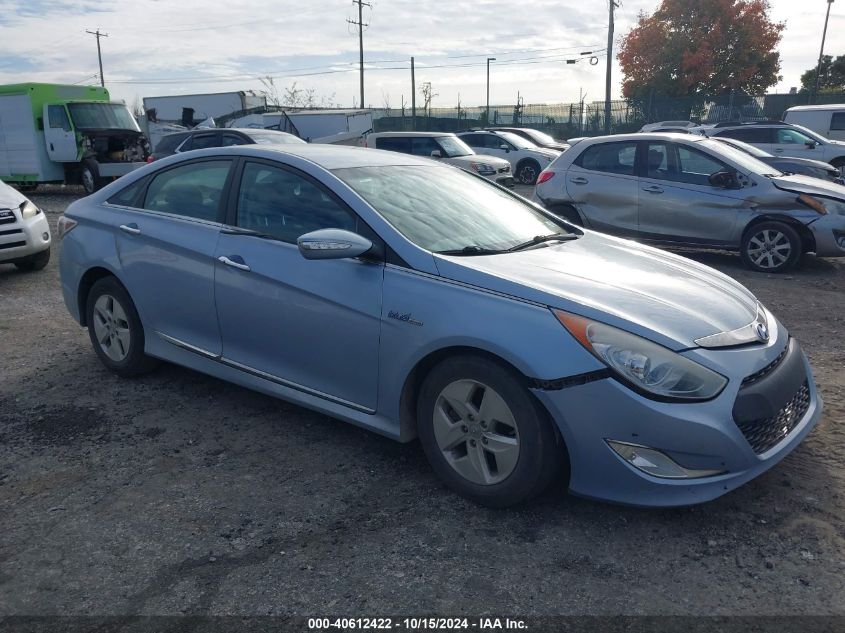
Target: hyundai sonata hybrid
(421,301)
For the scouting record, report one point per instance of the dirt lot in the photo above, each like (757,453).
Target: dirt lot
(177,493)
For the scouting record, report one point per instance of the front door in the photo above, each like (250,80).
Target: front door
(789,142)
(310,325)
(603,185)
(59,135)
(166,250)
(677,201)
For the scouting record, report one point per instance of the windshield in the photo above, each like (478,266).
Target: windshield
(454,147)
(541,138)
(445,209)
(745,162)
(102,116)
(274,138)
(745,147)
(518,141)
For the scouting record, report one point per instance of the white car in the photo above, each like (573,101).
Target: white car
(24,232)
(526,159)
(445,147)
(827,120)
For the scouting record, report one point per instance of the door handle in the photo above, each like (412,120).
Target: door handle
(240,265)
(52,149)
(653,189)
(132,229)
(579,181)
(779,151)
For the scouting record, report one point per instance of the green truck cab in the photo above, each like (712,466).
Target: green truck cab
(66,134)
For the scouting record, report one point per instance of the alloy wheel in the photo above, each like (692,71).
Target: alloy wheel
(769,249)
(111,327)
(476,431)
(528,174)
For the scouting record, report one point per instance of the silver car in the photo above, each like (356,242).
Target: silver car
(688,190)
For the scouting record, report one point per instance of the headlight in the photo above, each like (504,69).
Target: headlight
(29,210)
(642,364)
(483,168)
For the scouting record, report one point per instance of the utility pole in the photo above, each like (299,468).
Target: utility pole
(612,7)
(360,24)
(821,54)
(99,54)
(489,59)
(413,98)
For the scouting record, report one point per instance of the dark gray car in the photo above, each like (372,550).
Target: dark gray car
(204,138)
(690,190)
(788,164)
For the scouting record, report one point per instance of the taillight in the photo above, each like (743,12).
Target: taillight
(65,225)
(545,176)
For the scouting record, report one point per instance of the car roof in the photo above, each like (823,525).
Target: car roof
(414,134)
(648,136)
(806,108)
(325,155)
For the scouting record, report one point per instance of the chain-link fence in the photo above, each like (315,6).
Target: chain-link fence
(568,120)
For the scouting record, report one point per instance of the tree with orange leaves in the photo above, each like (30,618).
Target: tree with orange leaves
(693,48)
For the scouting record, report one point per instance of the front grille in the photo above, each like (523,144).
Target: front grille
(768,369)
(7,216)
(11,232)
(765,433)
(504,170)
(12,245)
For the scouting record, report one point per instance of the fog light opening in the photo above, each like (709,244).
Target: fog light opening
(45,237)
(656,463)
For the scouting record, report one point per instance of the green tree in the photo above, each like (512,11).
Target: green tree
(697,48)
(833,75)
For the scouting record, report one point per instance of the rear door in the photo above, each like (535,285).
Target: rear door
(677,201)
(603,184)
(59,135)
(166,238)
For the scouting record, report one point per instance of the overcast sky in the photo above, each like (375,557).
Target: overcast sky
(189,46)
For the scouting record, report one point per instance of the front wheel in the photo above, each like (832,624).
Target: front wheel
(90,177)
(115,329)
(771,247)
(34,262)
(483,433)
(527,172)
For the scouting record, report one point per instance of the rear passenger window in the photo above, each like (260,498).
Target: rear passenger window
(232,139)
(202,141)
(612,158)
(394,144)
(194,190)
(837,121)
(129,196)
(285,205)
(424,146)
(751,135)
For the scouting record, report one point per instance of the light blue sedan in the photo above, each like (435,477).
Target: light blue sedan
(420,301)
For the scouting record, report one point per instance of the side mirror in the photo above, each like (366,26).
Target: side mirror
(332,244)
(436,154)
(504,147)
(811,144)
(724,180)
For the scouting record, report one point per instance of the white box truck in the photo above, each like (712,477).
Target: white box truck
(827,120)
(66,134)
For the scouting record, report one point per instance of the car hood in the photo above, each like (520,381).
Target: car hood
(10,198)
(478,158)
(810,185)
(656,294)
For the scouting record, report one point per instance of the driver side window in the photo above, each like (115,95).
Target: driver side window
(285,205)
(786,136)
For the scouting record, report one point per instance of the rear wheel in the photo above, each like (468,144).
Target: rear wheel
(771,247)
(483,433)
(34,262)
(115,329)
(527,172)
(90,177)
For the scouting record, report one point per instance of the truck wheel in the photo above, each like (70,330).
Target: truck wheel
(90,175)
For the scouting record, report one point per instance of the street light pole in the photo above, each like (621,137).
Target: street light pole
(489,59)
(821,53)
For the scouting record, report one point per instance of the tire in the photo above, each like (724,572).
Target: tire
(34,262)
(527,172)
(90,177)
(839,163)
(483,433)
(112,318)
(568,213)
(771,247)
(28,187)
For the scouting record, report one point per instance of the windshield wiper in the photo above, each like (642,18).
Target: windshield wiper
(539,239)
(472,250)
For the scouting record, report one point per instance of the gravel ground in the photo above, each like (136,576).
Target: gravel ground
(178,493)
